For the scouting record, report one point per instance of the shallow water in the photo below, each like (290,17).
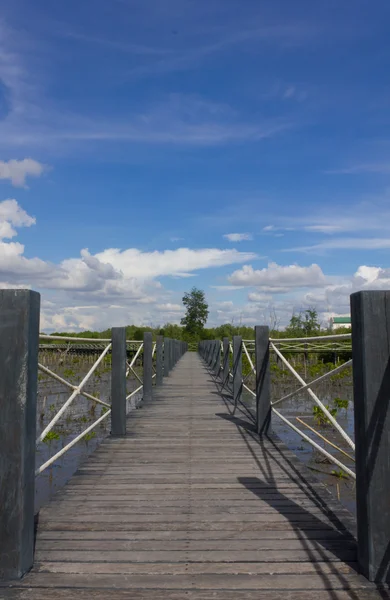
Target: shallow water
(81,413)
(302,406)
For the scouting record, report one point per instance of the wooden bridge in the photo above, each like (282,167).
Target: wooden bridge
(192,503)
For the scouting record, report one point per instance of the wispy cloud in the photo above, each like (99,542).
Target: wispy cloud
(238,237)
(350,243)
(116,45)
(380,167)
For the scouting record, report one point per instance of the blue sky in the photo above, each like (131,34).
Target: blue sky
(137,137)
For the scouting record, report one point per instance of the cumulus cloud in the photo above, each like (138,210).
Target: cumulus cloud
(16,171)
(179,263)
(238,237)
(12,215)
(279,277)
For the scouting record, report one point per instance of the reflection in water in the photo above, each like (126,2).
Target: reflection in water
(78,416)
(301,406)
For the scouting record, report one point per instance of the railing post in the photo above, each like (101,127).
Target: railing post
(370,318)
(263,381)
(217,363)
(166,357)
(225,361)
(19,345)
(159,360)
(237,368)
(211,353)
(148,370)
(118,381)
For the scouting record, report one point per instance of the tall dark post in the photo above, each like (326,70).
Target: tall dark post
(148,369)
(217,363)
(159,360)
(171,361)
(19,344)
(263,380)
(118,381)
(237,369)
(166,357)
(370,317)
(225,362)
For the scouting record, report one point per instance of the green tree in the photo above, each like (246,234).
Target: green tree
(196,311)
(305,323)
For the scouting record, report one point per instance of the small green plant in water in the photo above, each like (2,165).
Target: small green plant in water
(89,436)
(320,417)
(339,474)
(50,436)
(341,403)
(68,373)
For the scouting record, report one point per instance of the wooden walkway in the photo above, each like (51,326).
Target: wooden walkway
(191,505)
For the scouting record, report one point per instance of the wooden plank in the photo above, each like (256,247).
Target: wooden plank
(170,568)
(312,555)
(203,581)
(65,593)
(195,545)
(188,535)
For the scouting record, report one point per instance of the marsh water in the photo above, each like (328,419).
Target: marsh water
(83,412)
(80,414)
(337,394)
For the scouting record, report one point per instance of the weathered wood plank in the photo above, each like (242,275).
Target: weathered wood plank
(205,581)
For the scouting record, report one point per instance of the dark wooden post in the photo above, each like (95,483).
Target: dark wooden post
(118,381)
(166,357)
(171,363)
(370,317)
(225,362)
(159,360)
(237,368)
(263,379)
(148,370)
(217,363)
(19,344)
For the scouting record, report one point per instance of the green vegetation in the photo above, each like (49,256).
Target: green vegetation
(339,474)
(340,403)
(305,324)
(50,436)
(89,436)
(320,417)
(197,311)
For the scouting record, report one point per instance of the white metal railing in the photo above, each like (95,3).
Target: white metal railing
(305,344)
(79,390)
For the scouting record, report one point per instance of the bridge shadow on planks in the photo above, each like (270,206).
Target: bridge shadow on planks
(339,538)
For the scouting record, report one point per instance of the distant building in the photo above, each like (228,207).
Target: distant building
(339,322)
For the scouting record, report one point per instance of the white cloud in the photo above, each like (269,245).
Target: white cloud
(170,308)
(334,228)
(238,237)
(180,262)
(258,297)
(279,277)
(380,167)
(347,243)
(11,214)
(16,171)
